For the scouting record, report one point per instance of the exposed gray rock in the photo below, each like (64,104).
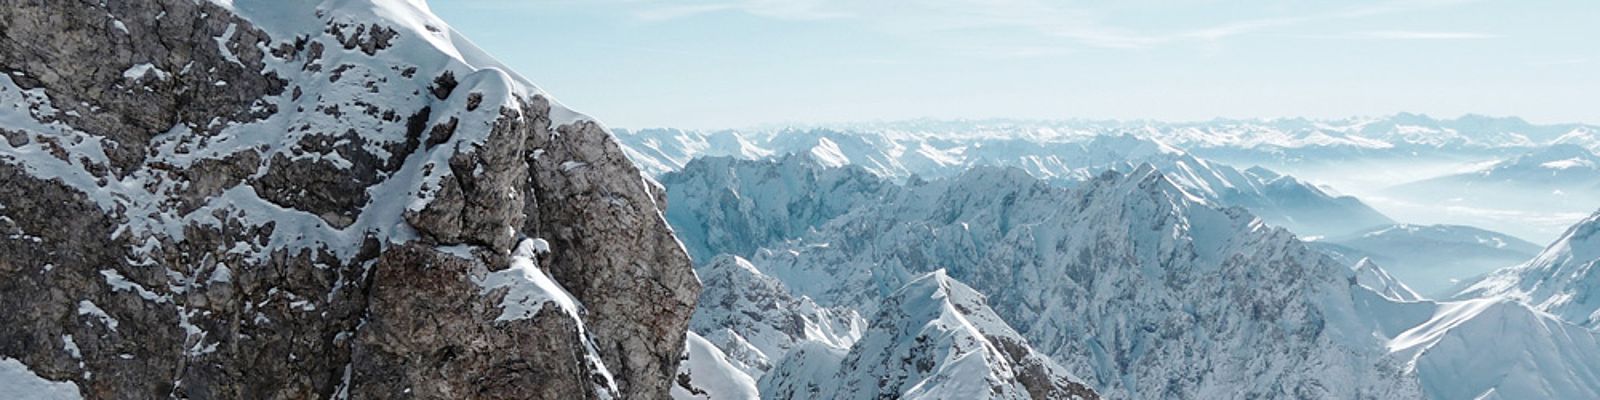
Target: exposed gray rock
(196,201)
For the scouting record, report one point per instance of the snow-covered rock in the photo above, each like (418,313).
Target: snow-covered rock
(1128,281)
(316,199)
(934,338)
(756,320)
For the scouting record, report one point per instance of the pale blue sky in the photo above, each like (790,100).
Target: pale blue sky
(734,63)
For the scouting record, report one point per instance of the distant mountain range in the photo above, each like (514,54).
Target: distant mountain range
(1400,166)
(1558,177)
(1092,246)
(1405,131)
(1430,258)
(1127,280)
(1280,199)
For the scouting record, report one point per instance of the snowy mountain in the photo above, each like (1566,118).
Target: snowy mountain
(315,199)
(755,319)
(1147,291)
(1102,279)
(1430,258)
(1403,131)
(1495,349)
(1281,200)
(934,338)
(764,201)
(1562,280)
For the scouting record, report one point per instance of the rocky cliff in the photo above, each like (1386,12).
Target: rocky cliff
(316,199)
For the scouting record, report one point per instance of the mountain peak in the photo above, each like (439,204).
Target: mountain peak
(934,337)
(1370,276)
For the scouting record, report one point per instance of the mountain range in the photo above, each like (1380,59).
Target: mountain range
(347,198)
(1137,286)
(1430,258)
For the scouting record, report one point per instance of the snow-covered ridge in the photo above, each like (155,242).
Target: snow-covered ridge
(1372,277)
(756,320)
(934,338)
(1499,349)
(1563,280)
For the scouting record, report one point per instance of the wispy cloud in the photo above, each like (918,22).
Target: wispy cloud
(1421,35)
(1075,23)
(1065,24)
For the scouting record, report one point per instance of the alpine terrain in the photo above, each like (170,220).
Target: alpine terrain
(314,199)
(1127,281)
(337,199)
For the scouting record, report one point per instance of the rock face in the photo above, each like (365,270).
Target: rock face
(316,199)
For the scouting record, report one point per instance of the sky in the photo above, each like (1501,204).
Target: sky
(708,64)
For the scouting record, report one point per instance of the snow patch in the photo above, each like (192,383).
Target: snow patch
(138,71)
(19,382)
(86,307)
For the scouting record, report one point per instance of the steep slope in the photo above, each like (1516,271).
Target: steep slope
(1431,258)
(935,338)
(755,320)
(707,374)
(1564,279)
(1499,349)
(316,199)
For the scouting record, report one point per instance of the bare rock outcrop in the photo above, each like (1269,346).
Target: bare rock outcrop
(316,199)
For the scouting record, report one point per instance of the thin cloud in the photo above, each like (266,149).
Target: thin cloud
(1076,23)
(1421,35)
